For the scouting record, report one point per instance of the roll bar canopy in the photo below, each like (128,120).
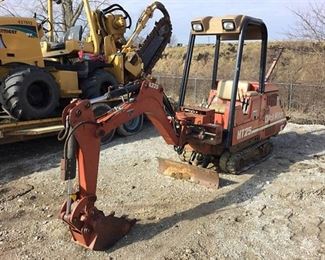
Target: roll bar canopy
(223,26)
(228,28)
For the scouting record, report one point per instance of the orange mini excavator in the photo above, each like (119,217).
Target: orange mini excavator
(231,130)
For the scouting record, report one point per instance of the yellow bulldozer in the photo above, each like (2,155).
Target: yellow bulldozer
(39,77)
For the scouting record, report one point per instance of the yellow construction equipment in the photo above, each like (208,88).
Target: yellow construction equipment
(40,77)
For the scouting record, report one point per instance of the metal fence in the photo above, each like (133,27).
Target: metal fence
(305,100)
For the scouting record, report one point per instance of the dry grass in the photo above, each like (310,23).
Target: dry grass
(302,66)
(300,62)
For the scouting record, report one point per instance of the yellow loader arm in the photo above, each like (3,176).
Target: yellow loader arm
(142,22)
(155,43)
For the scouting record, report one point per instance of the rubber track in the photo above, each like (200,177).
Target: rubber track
(248,155)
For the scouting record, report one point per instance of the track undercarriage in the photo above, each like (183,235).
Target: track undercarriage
(231,162)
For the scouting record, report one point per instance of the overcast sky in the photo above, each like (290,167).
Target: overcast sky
(275,13)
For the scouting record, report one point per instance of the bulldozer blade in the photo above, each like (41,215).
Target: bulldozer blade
(202,176)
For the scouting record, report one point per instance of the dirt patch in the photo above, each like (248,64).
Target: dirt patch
(11,191)
(275,210)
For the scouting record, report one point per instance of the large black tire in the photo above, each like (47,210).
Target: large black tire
(97,84)
(30,93)
(99,110)
(132,127)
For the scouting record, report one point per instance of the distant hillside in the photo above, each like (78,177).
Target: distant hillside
(300,74)
(300,62)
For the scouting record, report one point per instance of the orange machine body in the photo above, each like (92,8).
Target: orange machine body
(200,129)
(258,117)
(232,129)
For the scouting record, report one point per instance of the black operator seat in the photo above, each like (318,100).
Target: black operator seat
(74,33)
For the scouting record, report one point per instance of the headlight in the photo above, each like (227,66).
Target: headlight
(197,27)
(228,26)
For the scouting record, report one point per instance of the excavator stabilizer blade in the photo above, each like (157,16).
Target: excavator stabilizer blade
(202,176)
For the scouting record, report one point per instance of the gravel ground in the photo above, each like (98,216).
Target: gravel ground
(274,210)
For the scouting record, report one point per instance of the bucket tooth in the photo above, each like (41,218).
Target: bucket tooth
(202,176)
(95,230)
(104,233)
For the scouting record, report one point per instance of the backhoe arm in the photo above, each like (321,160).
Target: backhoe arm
(89,226)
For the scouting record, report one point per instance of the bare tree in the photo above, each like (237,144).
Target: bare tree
(70,14)
(66,15)
(311,22)
(311,26)
(10,8)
